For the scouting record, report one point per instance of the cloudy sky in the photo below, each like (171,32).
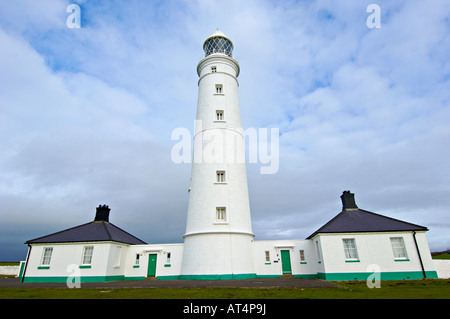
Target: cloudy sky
(86,114)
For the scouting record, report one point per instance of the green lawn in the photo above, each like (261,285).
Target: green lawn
(408,289)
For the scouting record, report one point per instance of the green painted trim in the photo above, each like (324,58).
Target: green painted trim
(22,267)
(303,263)
(401,275)
(82,279)
(401,259)
(267,263)
(175,277)
(85,266)
(43,267)
(352,261)
(136,266)
(306,276)
(167,265)
(218,277)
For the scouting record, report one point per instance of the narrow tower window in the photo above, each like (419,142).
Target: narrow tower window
(220,176)
(219,89)
(219,115)
(221,214)
(213,69)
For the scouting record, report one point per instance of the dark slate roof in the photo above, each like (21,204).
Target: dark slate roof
(90,232)
(359,220)
(98,230)
(355,220)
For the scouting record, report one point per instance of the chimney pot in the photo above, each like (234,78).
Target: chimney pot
(102,214)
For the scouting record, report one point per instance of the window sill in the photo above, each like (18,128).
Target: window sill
(268,264)
(84,266)
(43,267)
(303,263)
(220,223)
(167,265)
(218,94)
(136,266)
(220,121)
(220,183)
(352,261)
(403,259)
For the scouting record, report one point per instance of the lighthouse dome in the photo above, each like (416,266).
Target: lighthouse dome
(218,42)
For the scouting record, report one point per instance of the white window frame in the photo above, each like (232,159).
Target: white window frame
(220,116)
(350,249)
(220,177)
(88,252)
(399,248)
(221,214)
(46,257)
(136,262)
(302,256)
(267,255)
(219,89)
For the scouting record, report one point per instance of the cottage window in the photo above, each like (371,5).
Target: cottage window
(87,255)
(46,256)
(137,259)
(267,256)
(398,247)
(302,256)
(351,253)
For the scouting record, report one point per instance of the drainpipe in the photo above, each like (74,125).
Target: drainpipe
(420,258)
(26,263)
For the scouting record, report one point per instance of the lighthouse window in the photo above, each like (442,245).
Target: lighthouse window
(221,215)
(220,176)
(219,88)
(219,115)
(213,69)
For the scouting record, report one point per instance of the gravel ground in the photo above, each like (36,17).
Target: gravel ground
(154,283)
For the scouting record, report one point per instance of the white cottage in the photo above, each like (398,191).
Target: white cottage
(219,240)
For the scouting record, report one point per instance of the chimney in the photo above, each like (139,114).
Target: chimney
(102,214)
(348,201)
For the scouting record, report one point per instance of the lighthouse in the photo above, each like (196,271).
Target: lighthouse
(218,239)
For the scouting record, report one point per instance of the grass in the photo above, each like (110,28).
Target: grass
(408,289)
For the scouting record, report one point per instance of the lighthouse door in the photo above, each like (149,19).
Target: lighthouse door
(151,270)
(286,262)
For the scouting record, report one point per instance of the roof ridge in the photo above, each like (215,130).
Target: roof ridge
(125,232)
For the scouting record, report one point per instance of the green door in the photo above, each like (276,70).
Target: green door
(151,271)
(286,262)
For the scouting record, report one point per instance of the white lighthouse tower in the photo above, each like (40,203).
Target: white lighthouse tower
(219,235)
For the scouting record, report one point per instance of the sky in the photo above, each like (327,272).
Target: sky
(87,114)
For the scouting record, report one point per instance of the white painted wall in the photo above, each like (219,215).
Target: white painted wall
(373,248)
(65,254)
(274,266)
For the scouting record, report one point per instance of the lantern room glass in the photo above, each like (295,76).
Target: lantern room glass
(218,45)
